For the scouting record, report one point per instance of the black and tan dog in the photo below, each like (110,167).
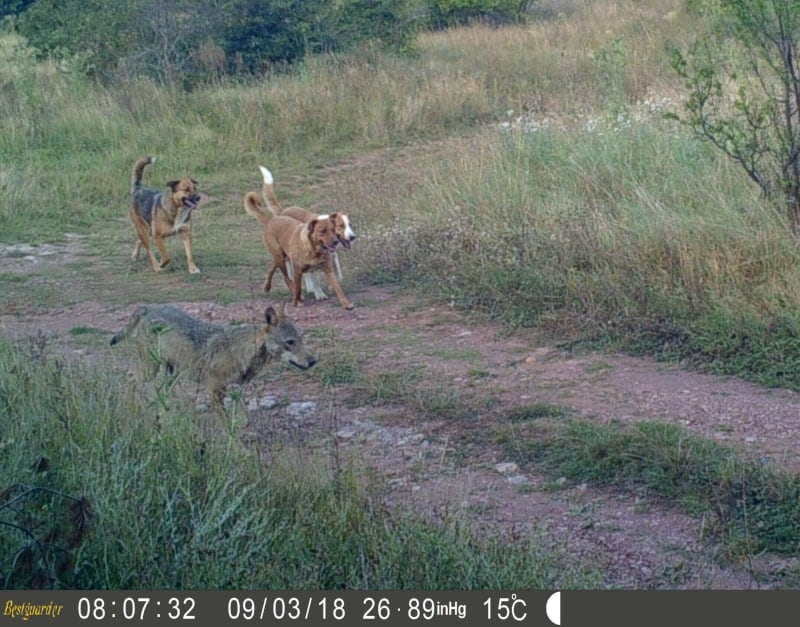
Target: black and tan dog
(162,213)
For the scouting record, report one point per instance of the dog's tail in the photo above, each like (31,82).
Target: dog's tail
(138,172)
(268,191)
(125,331)
(253,206)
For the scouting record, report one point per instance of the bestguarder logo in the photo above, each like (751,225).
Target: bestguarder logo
(26,611)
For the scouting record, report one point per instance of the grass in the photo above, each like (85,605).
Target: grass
(100,491)
(522,174)
(535,411)
(749,506)
(614,238)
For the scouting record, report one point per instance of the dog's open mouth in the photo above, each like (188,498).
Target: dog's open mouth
(345,243)
(190,202)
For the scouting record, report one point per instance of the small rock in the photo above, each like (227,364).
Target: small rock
(417,438)
(301,409)
(348,433)
(506,468)
(268,402)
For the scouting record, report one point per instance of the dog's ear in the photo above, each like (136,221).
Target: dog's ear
(271,316)
(312,224)
(195,182)
(172,184)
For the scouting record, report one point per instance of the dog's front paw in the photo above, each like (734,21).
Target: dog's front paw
(194,270)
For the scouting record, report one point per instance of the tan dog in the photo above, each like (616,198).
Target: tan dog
(161,214)
(306,245)
(344,232)
(213,354)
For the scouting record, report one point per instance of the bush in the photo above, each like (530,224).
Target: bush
(186,42)
(445,13)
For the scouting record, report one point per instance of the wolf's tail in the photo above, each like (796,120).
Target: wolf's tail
(138,172)
(268,191)
(125,331)
(253,206)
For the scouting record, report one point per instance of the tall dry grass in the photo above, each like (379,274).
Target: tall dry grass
(586,56)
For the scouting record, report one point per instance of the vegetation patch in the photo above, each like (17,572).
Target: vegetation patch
(100,491)
(750,506)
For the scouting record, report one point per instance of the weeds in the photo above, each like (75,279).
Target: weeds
(749,506)
(175,506)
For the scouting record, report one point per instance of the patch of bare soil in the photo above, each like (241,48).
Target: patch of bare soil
(442,464)
(22,258)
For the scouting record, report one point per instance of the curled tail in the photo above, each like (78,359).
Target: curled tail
(125,331)
(268,191)
(253,206)
(138,172)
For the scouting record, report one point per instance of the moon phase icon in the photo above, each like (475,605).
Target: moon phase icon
(553,608)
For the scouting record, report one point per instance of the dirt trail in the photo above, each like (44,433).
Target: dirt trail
(438,464)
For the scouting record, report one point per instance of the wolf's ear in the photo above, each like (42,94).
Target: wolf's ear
(274,318)
(172,184)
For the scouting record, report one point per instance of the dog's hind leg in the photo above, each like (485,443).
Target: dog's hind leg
(268,281)
(143,240)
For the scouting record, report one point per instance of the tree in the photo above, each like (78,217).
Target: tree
(186,42)
(13,7)
(445,13)
(744,93)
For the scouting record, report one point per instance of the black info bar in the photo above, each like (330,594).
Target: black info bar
(396,608)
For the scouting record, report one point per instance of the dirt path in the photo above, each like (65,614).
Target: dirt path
(449,383)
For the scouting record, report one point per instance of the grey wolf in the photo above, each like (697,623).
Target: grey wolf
(162,213)
(212,354)
(343,229)
(306,245)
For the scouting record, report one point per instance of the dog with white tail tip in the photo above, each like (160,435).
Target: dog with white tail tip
(299,246)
